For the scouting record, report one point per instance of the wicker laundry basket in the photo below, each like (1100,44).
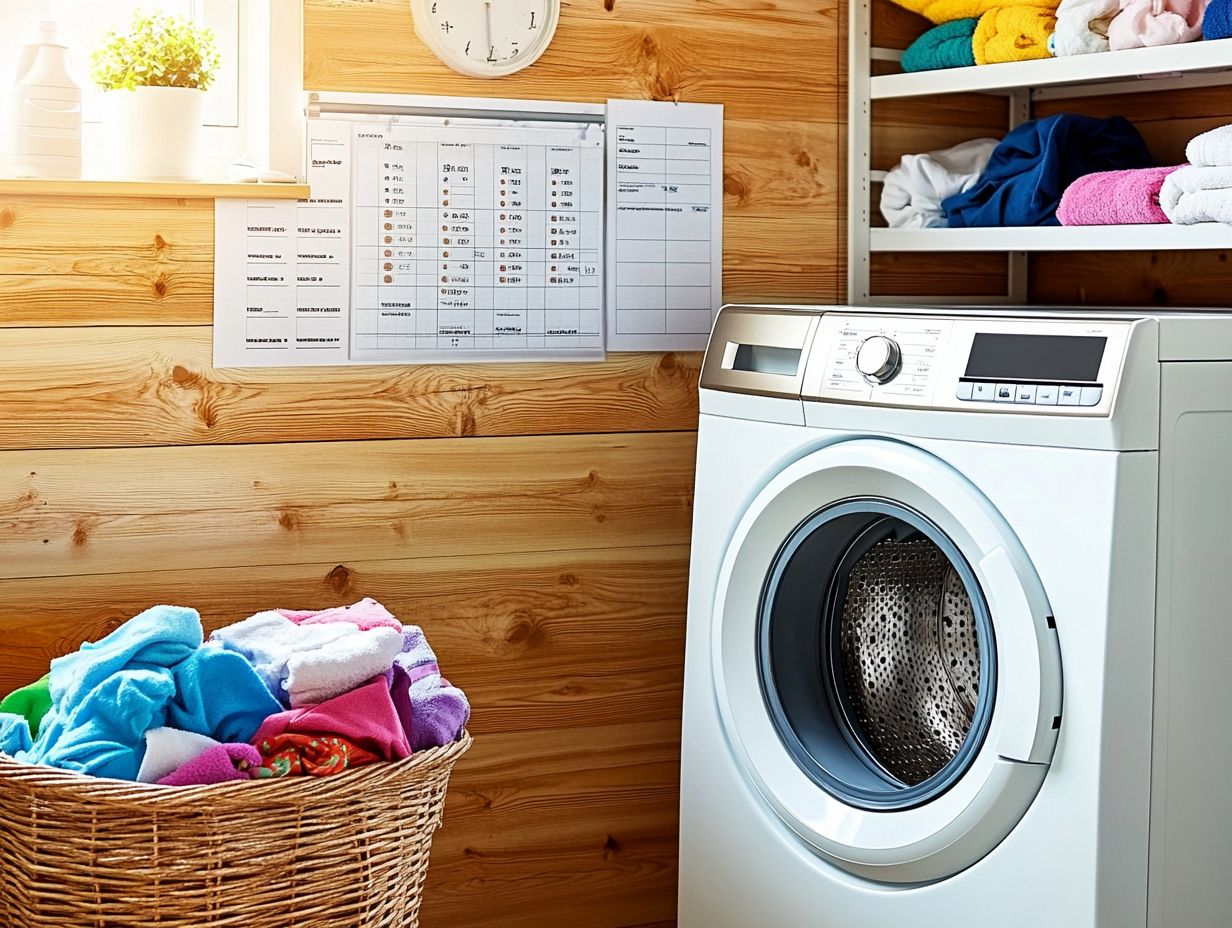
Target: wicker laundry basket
(334,852)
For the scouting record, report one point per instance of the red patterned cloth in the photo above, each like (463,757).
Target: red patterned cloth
(309,755)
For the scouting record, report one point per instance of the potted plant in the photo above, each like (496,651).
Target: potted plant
(155,76)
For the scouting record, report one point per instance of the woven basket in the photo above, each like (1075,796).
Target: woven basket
(344,851)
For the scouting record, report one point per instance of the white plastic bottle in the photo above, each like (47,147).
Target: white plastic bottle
(42,130)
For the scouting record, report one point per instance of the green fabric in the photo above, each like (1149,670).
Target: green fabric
(30,702)
(945,46)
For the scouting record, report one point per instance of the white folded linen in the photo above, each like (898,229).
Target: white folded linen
(1211,149)
(913,190)
(1082,27)
(1198,194)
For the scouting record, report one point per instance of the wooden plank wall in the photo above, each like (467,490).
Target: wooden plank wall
(1159,279)
(534,518)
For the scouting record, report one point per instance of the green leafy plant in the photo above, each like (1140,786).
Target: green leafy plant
(158,50)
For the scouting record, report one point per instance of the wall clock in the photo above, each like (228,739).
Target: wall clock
(486,38)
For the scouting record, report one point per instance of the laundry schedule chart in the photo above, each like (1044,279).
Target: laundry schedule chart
(476,241)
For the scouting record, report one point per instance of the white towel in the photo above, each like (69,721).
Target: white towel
(1198,194)
(912,192)
(1211,149)
(308,664)
(1082,27)
(168,749)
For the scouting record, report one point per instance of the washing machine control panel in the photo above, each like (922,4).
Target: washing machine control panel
(1040,365)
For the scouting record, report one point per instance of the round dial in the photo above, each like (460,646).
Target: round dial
(879,359)
(486,38)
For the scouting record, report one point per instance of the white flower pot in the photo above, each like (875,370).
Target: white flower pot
(154,133)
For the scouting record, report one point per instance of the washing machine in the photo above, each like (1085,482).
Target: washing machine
(959,631)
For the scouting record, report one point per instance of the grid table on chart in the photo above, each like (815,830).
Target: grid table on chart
(663,230)
(475,245)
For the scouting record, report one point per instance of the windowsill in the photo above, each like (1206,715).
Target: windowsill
(151,188)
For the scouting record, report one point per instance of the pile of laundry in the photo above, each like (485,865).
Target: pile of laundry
(282,693)
(1017,181)
(970,32)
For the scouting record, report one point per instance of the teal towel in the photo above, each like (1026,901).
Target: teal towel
(151,672)
(944,46)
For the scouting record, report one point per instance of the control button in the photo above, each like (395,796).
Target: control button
(964,390)
(1091,396)
(985,392)
(879,359)
(1005,393)
(1069,396)
(1025,394)
(1046,396)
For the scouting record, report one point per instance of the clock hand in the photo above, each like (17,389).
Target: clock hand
(487,15)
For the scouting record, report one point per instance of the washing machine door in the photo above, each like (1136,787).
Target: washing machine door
(886,662)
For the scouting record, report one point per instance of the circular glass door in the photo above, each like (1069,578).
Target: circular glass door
(885,665)
(877,654)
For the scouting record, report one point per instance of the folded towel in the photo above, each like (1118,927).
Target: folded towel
(14,735)
(1013,33)
(310,755)
(224,763)
(1035,162)
(439,711)
(944,46)
(1114,198)
(1146,23)
(307,664)
(365,716)
(1210,149)
(944,11)
(913,189)
(149,673)
(1198,194)
(1082,26)
(366,614)
(31,702)
(168,749)
(1217,23)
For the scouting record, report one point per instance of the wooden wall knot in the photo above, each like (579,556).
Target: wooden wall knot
(609,5)
(160,286)
(339,579)
(7,217)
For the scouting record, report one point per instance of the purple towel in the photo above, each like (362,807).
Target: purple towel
(1114,198)
(437,712)
(223,764)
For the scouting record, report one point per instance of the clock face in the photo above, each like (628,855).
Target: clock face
(487,38)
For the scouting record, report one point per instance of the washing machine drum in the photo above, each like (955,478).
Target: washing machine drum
(891,703)
(885,661)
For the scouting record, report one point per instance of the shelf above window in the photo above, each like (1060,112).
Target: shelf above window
(1139,69)
(1208,235)
(180,190)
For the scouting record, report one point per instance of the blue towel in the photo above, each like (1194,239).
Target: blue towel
(1030,169)
(944,46)
(151,672)
(1217,20)
(14,734)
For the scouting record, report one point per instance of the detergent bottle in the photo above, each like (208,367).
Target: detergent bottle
(42,129)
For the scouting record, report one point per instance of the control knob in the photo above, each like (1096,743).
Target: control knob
(879,359)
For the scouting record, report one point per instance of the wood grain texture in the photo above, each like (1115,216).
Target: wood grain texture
(156,386)
(105,261)
(65,513)
(165,189)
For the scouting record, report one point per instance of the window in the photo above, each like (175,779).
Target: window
(239,104)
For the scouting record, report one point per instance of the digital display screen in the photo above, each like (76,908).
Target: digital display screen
(1030,358)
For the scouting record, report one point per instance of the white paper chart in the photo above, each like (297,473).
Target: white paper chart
(665,224)
(476,241)
(281,280)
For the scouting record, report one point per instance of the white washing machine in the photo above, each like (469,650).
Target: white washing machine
(959,637)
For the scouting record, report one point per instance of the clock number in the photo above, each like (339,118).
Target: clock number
(532,20)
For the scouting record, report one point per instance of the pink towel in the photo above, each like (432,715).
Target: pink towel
(1146,23)
(1114,198)
(366,614)
(365,716)
(221,764)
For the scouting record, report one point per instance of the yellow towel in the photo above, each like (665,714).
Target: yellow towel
(943,11)
(1013,33)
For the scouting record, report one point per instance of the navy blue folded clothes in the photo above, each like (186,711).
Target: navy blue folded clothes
(1030,169)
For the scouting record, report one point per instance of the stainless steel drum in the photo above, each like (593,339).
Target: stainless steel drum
(909,657)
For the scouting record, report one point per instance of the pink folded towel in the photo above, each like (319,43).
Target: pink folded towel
(225,763)
(1147,23)
(365,716)
(1114,198)
(366,614)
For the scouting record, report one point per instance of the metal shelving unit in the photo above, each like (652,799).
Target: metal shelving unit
(1197,64)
